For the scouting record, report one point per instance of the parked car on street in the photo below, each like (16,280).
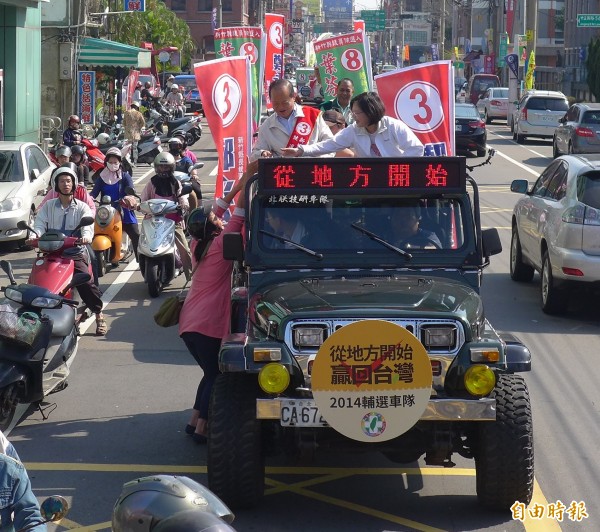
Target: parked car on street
(537,114)
(388,68)
(578,131)
(469,129)
(478,84)
(25,172)
(556,229)
(191,95)
(458,84)
(493,104)
(461,95)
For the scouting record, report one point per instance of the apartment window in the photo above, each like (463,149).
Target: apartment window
(178,5)
(228,5)
(205,5)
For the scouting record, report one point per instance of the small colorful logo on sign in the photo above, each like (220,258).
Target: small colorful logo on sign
(371,380)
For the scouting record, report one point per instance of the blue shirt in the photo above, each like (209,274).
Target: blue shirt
(289,122)
(116,193)
(17,498)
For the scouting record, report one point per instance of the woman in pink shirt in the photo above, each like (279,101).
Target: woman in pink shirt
(205,316)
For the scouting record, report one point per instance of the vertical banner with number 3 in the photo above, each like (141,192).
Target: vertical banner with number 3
(422,96)
(343,56)
(274,52)
(224,86)
(248,42)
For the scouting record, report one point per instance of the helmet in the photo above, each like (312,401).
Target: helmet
(174,86)
(103,138)
(138,84)
(135,104)
(77,149)
(63,150)
(199,224)
(192,521)
(175,143)
(147,84)
(171,77)
(65,169)
(181,137)
(113,151)
(74,119)
(147,501)
(164,159)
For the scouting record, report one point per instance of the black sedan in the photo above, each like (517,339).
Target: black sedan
(469,130)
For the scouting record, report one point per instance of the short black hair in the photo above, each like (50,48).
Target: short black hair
(346,79)
(283,84)
(369,103)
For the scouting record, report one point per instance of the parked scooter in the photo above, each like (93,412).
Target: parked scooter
(148,148)
(191,129)
(165,503)
(94,155)
(157,253)
(54,265)
(39,330)
(108,236)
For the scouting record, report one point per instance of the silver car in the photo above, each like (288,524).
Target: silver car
(556,229)
(493,104)
(578,131)
(25,172)
(538,114)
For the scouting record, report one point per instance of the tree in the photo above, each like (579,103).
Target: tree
(158,25)
(592,63)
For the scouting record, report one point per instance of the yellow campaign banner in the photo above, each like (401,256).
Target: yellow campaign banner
(529,81)
(371,380)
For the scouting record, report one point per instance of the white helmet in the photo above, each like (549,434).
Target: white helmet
(174,86)
(103,138)
(164,160)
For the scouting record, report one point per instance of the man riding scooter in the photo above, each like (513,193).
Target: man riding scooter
(64,214)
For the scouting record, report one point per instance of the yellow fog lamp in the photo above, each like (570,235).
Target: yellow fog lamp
(266,354)
(484,354)
(274,378)
(479,380)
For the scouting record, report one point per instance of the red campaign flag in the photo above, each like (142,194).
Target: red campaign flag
(358,25)
(225,90)
(422,96)
(134,75)
(274,52)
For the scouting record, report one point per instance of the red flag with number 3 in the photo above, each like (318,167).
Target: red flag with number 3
(274,52)
(225,89)
(422,96)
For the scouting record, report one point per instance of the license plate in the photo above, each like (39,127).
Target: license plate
(301,413)
(458,127)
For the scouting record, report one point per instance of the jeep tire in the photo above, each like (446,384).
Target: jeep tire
(236,467)
(504,457)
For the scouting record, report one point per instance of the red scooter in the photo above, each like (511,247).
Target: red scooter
(53,268)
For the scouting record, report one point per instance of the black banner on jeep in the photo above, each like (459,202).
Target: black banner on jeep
(420,175)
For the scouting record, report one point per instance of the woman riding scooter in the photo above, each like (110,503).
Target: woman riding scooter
(164,185)
(113,181)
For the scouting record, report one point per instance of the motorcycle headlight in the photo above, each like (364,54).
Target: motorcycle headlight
(103,214)
(45,302)
(11,204)
(13,295)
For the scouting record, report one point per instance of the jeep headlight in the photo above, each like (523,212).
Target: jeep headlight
(479,380)
(274,378)
(439,337)
(309,336)
(11,204)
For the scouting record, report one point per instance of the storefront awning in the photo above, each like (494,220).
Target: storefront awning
(100,52)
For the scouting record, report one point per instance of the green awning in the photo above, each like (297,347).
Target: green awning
(100,52)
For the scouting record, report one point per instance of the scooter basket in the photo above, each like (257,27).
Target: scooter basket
(22,329)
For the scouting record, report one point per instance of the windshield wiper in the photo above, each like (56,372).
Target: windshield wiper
(385,243)
(292,243)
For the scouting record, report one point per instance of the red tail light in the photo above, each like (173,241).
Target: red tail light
(477,123)
(524,114)
(584,132)
(496,103)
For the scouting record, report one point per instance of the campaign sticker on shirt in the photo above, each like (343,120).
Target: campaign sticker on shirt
(371,380)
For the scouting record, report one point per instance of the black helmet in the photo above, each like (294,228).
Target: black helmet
(175,144)
(147,501)
(199,224)
(77,149)
(68,169)
(181,136)
(193,521)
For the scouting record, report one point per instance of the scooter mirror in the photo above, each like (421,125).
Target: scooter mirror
(106,200)
(85,221)
(54,508)
(22,224)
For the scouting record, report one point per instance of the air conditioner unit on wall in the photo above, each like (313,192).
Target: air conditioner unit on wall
(65,60)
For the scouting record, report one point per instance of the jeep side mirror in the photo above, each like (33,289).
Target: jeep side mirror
(233,246)
(491,242)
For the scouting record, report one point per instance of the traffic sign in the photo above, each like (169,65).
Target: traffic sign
(588,21)
(374,19)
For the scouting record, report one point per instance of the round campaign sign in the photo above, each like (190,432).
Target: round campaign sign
(276,34)
(371,380)
(352,60)
(249,50)
(419,106)
(305,91)
(227,98)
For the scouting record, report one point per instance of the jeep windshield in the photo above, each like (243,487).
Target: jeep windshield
(378,226)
